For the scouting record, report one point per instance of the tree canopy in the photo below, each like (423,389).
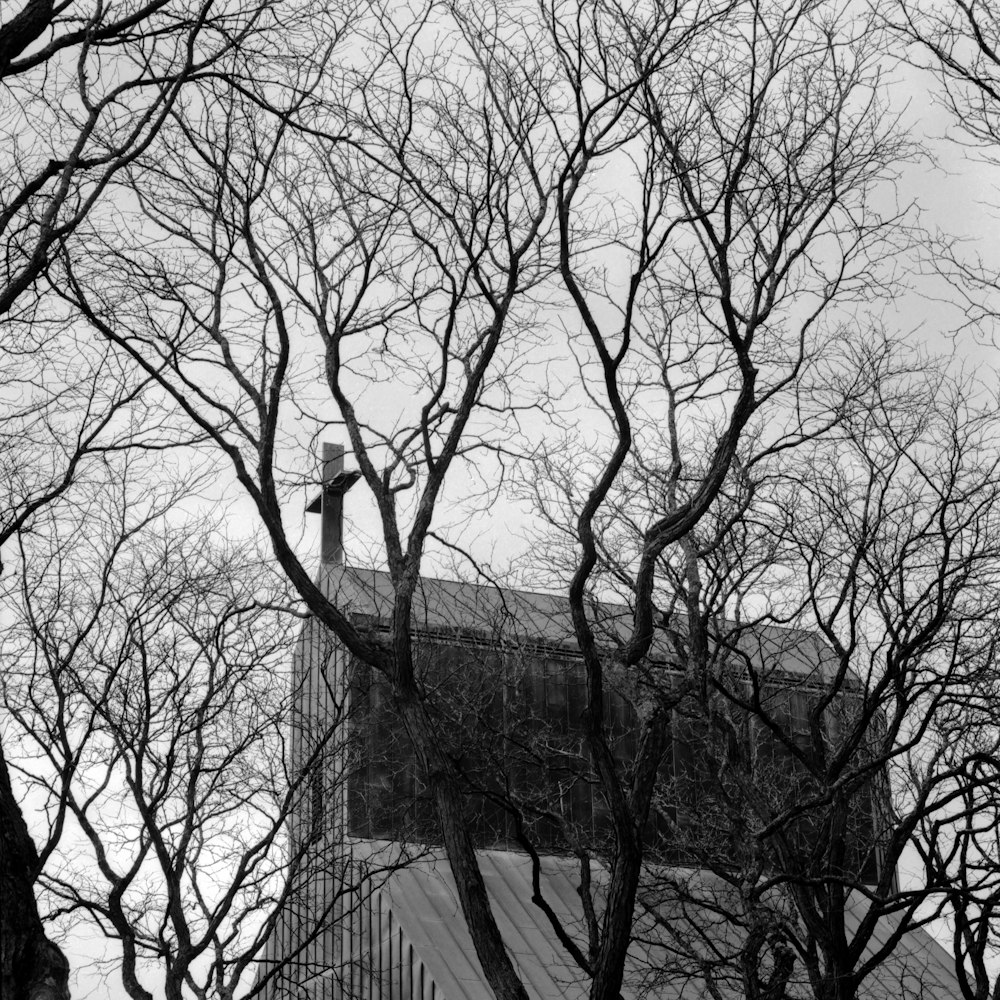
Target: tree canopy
(618,280)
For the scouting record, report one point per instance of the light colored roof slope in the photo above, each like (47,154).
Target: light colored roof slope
(503,615)
(423,900)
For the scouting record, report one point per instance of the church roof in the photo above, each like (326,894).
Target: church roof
(677,940)
(507,617)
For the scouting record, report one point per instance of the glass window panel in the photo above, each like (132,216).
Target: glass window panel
(515,724)
(556,696)
(580,807)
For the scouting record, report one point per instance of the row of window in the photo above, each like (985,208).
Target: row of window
(514,727)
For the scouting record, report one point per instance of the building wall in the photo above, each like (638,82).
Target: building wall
(303,946)
(513,718)
(359,785)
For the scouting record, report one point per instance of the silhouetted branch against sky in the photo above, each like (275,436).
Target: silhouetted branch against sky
(632,281)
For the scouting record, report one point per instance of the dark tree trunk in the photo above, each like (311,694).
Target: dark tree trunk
(31,966)
(17,34)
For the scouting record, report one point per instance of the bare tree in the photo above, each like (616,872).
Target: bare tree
(960,40)
(958,845)
(154,727)
(958,44)
(65,421)
(595,168)
(835,616)
(84,89)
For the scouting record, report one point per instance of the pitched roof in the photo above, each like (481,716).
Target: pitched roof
(512,618)
(666,964)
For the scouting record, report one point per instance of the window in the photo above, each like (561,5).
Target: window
(317,811)
(795,768)
(513,725)
(384,797)
(710,808)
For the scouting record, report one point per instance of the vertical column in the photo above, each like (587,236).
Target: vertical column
(332,505)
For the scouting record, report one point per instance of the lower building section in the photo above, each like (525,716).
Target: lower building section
(398,933)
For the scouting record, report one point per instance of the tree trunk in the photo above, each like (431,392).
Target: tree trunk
(31,966)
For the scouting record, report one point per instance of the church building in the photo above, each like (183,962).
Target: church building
(376,916)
